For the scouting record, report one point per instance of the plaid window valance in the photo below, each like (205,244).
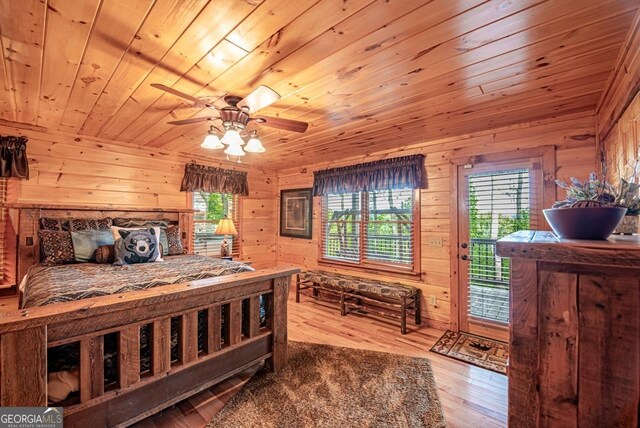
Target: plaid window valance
(13,157)
(405,172)
(201,178)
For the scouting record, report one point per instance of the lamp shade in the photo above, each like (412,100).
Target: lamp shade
(254,145)
(234,150)
(226,227)
(212,141)
(232,137)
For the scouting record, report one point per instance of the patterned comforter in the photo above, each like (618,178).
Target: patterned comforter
(54,284)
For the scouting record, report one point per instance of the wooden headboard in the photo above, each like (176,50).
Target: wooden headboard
(26,222)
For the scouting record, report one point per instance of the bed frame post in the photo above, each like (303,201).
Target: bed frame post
(23,364)
(277,322)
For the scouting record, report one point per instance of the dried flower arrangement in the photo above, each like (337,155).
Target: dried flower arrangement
(626,194)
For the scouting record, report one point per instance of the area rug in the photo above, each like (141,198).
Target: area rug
(479,351)
(327,386)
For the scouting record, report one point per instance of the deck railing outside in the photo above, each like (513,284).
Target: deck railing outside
(488,282)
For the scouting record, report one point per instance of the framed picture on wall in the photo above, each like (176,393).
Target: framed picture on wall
(296,213)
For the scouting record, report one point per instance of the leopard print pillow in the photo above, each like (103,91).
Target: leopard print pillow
(57,247)
(174,241)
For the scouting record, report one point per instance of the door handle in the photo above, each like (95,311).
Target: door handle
(465,257)
(464,245)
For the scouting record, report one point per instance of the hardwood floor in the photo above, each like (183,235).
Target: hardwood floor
(470,396)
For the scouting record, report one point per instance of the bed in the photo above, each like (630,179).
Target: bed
(142,337)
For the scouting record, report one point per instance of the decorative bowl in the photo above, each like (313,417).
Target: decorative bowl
(594,223)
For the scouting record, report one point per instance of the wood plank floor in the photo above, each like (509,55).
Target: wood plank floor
(470,396)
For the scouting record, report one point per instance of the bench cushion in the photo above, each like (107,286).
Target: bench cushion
(353,283)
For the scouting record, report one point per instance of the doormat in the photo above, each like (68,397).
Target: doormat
(482,352)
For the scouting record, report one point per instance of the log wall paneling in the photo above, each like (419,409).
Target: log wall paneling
(623,83)
(573,137)
(68,170)
(622,145)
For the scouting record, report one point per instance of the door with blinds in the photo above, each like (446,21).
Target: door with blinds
(494,200)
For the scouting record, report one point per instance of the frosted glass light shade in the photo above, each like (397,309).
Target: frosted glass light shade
(232,137)
(254,145)
(212,142)
(234,150)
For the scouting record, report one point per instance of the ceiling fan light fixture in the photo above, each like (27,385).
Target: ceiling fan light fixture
(234,150)
(212,141)
(254,145)
(260,98)
(232,136)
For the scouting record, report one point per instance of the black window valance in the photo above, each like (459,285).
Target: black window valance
(13,157)
(398,173)
(201,178)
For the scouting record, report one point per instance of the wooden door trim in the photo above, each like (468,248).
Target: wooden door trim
(547,155)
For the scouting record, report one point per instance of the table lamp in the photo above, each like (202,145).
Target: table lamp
(225,227)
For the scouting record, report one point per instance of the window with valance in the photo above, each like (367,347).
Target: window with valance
(371,214)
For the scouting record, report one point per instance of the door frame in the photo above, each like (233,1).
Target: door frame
(547,159)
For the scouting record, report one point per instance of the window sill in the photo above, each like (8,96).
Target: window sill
(399,272)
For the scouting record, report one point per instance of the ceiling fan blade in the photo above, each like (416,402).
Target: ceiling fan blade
(286,124)
(194,100)
(191,120)
(261,97)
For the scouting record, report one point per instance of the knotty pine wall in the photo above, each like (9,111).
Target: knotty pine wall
(618,112)
(68,170)
(574,139)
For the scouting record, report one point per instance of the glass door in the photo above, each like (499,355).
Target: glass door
(495,201)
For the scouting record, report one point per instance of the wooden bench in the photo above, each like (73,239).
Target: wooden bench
(365,294)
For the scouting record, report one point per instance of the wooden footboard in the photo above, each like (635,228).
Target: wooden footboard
(26,335)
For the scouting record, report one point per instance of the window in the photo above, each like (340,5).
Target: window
(371,229)
(209,209)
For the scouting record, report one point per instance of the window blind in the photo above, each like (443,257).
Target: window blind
(342,216)
(209,209)
(389,233)
(499,204)
(369,227)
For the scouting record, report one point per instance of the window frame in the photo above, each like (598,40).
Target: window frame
(363,263)
(236,250)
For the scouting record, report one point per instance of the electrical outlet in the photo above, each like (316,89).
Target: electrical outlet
(435,241)
(432,300)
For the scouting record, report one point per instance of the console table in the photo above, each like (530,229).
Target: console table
(574,331)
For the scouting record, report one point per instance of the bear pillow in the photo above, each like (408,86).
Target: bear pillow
(137,246)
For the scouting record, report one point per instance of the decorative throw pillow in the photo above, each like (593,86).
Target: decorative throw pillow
(57,247)
(139,222)
(105,254)
(86,242)
(76,224)
(174,241)
(47,223)
(163,236)
(138,246)
(164,242)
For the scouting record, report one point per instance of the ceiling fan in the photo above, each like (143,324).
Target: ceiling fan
(235,118)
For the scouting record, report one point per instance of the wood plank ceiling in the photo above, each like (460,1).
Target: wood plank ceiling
(366,74)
